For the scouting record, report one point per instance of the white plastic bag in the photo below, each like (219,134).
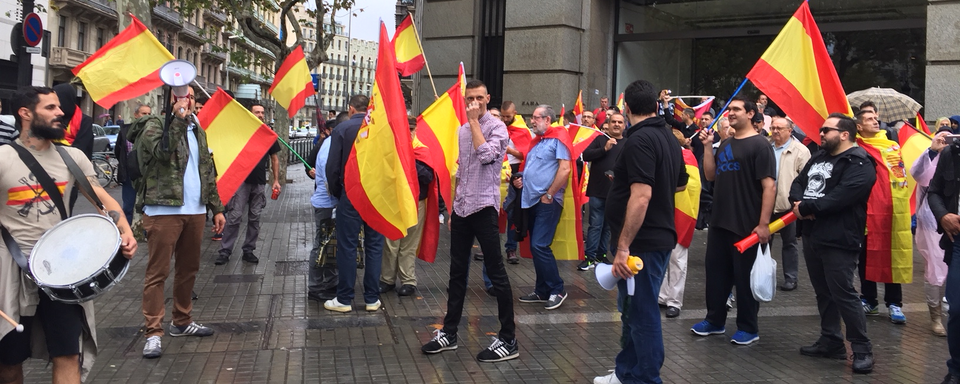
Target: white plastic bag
(763,276)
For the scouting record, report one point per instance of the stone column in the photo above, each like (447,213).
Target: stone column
(943,59)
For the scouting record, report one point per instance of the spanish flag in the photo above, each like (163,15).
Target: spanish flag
(237,138)
(913,144)
(687,202)
(697,110)
(578,108)
(582,136)
(797,73)
(620,103)
(73,126)
(430,236)
(438,128)
(407,47)
(126,67)
(520,134)
(889,241)
(381,175)
(292,83)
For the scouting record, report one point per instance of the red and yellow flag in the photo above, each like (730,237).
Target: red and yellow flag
(889,241)
(620,103)
(292,83)
(913,145)
(797,73)
(237,138)
(582,136)
(381,175)
(126,67)
(430,236)
(73,126)
(438,128)
(698,110)
(520,134)
(687,202)
(578,108)
(407,47)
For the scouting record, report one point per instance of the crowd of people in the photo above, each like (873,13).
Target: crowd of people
(738,171)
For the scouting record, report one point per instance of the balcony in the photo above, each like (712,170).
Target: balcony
(219,57)
(253,76)
(191,32)
(215,16)
(87,8)
(167,16)
(66,57)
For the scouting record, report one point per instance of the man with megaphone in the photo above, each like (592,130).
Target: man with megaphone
(640,210)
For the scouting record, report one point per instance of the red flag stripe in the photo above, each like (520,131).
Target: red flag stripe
(292,59)
(134,30)
(132,90)
(233,176)
(785,93)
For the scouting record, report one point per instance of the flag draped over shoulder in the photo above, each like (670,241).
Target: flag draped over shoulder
(687,202)
(889,241)
(292,84)
(126,67)
(797,73)
(237,138)
(520,134)
(438,128)
(913,145)
(430,236)
(409,52)
(380,176)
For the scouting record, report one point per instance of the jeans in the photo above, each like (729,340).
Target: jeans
(642,355)
(253,198)
(790,251)
(598,235)
(892,292)
(953,319)
(831,274)
(129,197)
(463,230)
(726,267)
(543,225)
(349,224)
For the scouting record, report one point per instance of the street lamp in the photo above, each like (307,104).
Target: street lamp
(226,81)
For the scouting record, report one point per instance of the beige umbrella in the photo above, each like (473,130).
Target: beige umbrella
(892,105)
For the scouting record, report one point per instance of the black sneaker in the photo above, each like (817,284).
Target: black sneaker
(217,236)
(862,362)
(250,258)
(441,342)
(586,265)
(532,298)
(499,351)
(555,300)
(819,350)
(951,379)
(512,257)
(192,329)
(222,259)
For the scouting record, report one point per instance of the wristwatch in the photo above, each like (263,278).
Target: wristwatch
(549,197)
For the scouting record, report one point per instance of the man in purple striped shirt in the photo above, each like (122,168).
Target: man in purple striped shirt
(483,143)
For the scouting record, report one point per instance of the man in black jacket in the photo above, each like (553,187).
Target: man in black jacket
(943,198)
(121,150)
(830,196)
(602,154)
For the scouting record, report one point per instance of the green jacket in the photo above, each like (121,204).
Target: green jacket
(162,170)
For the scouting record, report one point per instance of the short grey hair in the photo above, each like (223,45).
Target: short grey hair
(548,112)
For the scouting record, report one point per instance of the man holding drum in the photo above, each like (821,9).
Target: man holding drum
(27,211)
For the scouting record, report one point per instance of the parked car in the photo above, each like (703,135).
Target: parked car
(312,132)
(100,141)
(112,131)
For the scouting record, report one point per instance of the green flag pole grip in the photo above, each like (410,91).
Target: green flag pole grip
(295,153)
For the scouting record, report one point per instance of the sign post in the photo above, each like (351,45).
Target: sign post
(24,57)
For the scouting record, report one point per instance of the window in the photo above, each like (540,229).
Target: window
(62,32)
(81,36)
(99,38)
(179,52)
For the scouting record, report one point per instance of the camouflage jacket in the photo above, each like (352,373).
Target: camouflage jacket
(162,170)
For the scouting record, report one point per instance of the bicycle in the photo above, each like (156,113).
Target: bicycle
(106,172)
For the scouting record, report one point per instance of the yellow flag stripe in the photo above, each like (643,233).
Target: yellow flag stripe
(797,63)
(406,45)
(125,64)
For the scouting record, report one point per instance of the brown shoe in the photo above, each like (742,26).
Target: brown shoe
(512,257)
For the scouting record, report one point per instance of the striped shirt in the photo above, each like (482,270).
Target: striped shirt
(8,133)
(478,176)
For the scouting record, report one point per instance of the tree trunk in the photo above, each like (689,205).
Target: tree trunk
(281,122)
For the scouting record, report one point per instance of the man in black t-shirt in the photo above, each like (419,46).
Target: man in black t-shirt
(640,211)
(602,154)
(251,193)
(743,171)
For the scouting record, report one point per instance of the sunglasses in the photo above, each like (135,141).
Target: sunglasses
(824,130)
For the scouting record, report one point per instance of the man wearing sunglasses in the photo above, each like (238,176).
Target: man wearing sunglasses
(830,197)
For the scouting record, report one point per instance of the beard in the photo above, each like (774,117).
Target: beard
(830,145)
(46,131)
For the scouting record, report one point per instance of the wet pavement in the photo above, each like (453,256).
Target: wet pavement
(267,331)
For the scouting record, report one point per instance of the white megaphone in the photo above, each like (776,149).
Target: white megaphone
(178,74)
(608,281)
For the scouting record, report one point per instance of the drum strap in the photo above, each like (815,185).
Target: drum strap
(42,177)
(14,249)
(81,180)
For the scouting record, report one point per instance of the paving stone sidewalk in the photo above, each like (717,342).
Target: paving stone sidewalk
(267,331)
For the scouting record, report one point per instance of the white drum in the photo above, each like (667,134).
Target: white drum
(78,259)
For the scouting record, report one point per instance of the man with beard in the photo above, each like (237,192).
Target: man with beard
(830,196)
(69,329)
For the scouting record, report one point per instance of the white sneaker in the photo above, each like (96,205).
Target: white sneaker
(373,307)
(608,379)
(152,349)
(336,306)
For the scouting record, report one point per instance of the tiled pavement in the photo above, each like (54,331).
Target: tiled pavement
(267,331)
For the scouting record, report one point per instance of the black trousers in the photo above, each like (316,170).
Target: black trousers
(892,292)
(726,267)
(831,273)
(483,227)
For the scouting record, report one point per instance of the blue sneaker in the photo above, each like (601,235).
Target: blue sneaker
(896,315)
(744,338)
(870,310)
(704,328)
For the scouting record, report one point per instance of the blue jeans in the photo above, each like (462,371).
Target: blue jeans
(953,320)
(543,225)
(129,197)
(642,338)
(348,238)
(598,235)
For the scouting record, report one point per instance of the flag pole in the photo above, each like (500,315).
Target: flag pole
(295,153)
(413,23)
(714,123)
(201,89)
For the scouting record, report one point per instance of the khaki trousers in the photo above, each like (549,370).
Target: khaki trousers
(170,235)
(400,256)
(671,291)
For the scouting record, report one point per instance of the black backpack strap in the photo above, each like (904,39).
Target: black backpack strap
(14,249)
(81,179)
(43,178)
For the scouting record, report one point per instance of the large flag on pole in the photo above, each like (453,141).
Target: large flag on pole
(126,67)
(407,46)
(292,83)
(438,128)
(237,138)
(797,73)
(381,175)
